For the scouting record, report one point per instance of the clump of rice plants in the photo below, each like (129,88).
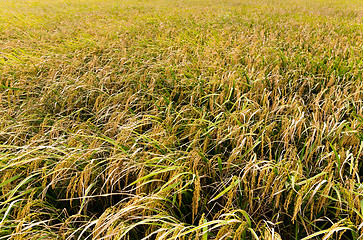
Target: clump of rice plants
(181,119)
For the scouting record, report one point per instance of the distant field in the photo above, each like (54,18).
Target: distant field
(191,119)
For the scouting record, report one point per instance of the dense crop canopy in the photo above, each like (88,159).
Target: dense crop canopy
(220,119)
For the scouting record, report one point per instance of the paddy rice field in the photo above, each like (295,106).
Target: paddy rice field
(181,119)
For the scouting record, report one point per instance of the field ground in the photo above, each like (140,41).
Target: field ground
(181,119)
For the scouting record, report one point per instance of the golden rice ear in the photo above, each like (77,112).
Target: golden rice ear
(196,196)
